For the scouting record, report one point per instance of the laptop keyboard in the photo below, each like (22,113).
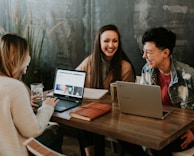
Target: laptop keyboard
(65,105)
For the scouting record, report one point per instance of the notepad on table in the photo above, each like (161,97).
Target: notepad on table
(92,93)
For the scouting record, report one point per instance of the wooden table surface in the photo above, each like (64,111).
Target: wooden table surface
(149,132)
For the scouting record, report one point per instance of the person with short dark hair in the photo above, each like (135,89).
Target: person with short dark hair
(175,79)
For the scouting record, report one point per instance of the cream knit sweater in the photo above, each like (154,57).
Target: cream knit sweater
(17,119)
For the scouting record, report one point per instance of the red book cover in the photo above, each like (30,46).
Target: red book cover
(91,111)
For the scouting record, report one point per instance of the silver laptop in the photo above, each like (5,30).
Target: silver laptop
(139,99)
(69,88)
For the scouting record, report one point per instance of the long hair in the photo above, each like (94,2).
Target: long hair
(115,65)
(13,53)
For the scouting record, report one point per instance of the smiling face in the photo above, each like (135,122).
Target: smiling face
(153,55)
(109,41)
(157,58)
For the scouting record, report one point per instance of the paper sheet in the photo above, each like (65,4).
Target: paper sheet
(91,93)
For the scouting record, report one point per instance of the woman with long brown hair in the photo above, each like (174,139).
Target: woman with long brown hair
(106,64)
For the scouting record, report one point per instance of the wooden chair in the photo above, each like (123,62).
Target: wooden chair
(35,148)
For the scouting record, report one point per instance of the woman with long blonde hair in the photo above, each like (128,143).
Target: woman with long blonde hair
(17,119)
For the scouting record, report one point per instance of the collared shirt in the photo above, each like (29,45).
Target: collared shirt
(181,87)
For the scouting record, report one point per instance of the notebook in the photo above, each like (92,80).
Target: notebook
(139,99)
(68,88)
(93,93)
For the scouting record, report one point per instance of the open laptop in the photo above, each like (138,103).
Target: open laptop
(69,88)
(139,99)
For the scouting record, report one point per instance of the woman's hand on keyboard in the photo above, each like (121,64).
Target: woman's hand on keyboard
(51,101)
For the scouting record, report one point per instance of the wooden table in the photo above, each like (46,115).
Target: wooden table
(149,132)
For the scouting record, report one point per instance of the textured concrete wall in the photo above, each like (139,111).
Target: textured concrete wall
(75,24)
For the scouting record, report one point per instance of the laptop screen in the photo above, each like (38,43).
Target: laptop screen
(69,83)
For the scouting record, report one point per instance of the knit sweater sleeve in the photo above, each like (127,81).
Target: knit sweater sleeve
(27,123)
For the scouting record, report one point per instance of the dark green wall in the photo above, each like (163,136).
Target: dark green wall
(78,20)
